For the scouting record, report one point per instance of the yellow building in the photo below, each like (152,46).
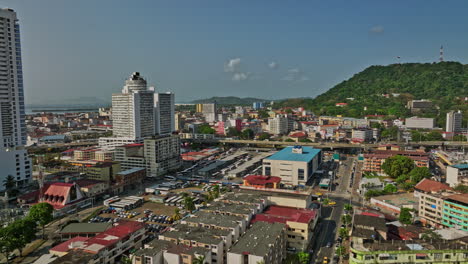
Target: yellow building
(199,108)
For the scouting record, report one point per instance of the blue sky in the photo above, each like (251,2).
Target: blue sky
(202,48)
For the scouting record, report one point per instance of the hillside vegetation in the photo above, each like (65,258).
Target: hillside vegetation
(446,84)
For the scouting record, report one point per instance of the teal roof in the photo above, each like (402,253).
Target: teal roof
(460,166)
(307,155)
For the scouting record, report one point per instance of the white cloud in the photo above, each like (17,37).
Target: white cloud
(273,65)
(377,29)
(295,75)
(232,65)
(241,76)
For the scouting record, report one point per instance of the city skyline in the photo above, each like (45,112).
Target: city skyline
(238,48)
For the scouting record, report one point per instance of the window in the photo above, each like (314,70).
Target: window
(300,174)
(268,171)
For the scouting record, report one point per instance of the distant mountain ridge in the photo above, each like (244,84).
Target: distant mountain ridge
(230,100)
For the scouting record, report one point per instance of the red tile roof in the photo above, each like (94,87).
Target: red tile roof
(132,145)
(114,234)
(261,179)
(65,246)
(298,135)
(430,186)
(459,197)
(282,214)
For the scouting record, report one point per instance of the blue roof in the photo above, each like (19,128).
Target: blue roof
(460,166)
(307,155)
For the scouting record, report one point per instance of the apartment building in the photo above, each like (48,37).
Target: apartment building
(431,201)
(262,242)
(373,161)
(362,135)
(235,224)
(300,224)
(162,154)
(242,210)
(163,251)
(278,125)
(414,251)
(14,159)
(294,165)
(455,212)
(96,170)
(216,240)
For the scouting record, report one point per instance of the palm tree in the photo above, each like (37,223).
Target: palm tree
(189,205)
(348,207)
(176,215)
(9,183)
(216,191)
(199,260)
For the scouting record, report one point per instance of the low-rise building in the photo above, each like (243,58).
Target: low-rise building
(263,242)
(216,240)
(419,122)
(130,156)
(398,251)
(260,181)
(294,165)
(235,224)
(373,161)
(300,224)
(394,202)
(362,135)
(83,230)
(162,251)
(455,213)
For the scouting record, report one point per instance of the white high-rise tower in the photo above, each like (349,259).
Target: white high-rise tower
(138,113)
(14,159)
(454,122)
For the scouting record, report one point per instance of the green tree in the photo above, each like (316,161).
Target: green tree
(390,188)
(7,245)
(305,140)
(303,257)
(247,134)
(459,138)
(216,191)
(199,260)
(189,205)
(405,216)
(419,173)
(430,235)
(264,136)
(41,213)
(343,232)
(24,231)
(176,215)
(10,185)
(348,207)
(397,165)
(232,132)
(461,188)
(346,219)
(263,114)
(288,140)
(205,129)
(341,251)
(434,136)
(402,178)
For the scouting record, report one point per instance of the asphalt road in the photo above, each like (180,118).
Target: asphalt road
(331,216)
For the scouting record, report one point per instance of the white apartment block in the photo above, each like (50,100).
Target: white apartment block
(164,113)
(162,154)
(454,122)
(278,125)
(14,160)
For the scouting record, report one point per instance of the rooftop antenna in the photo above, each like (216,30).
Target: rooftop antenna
(441,57)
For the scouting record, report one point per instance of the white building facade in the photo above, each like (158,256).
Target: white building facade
(14,159)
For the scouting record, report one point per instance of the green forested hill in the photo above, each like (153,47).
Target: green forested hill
(446,84)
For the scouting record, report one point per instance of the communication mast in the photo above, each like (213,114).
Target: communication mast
(441,57)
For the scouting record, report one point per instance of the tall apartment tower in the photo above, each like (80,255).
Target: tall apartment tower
(209,111)
(454,122)
(164,104)
(138,113)
(133,109)
(14,159)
